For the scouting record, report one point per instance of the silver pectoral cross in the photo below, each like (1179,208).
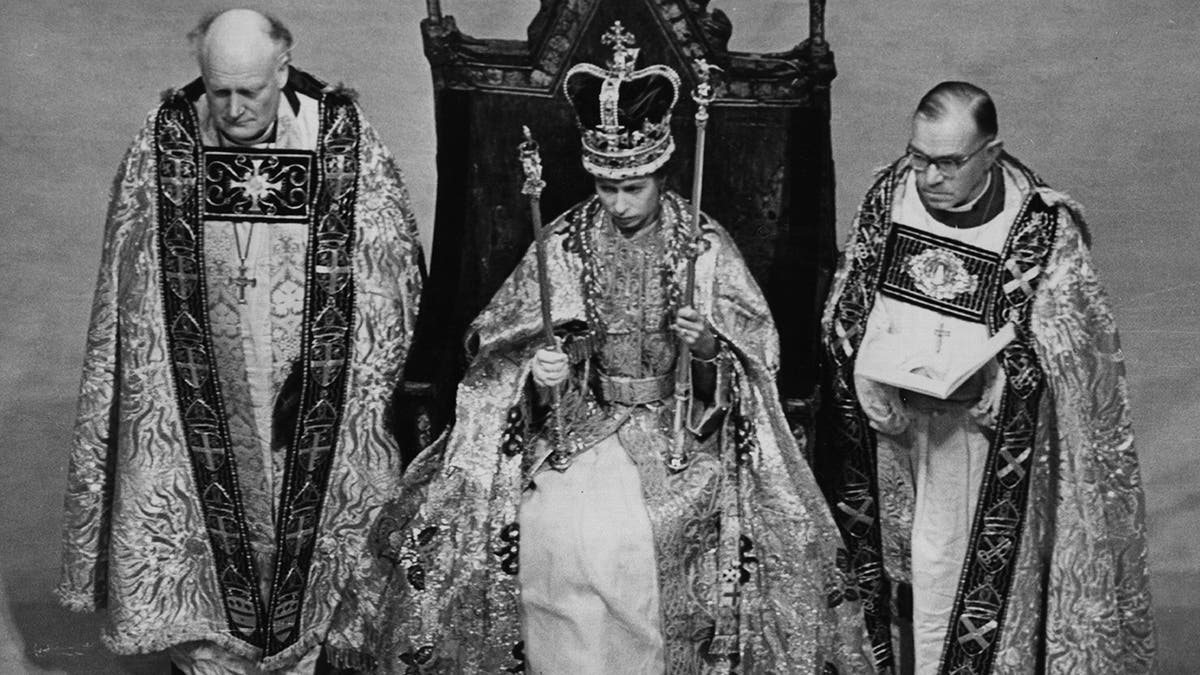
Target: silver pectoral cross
(242,281)
(941,334)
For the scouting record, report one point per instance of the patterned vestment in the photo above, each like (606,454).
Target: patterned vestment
(1054,579)
(170,523)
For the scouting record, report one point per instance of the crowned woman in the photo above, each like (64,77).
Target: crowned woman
(564,525)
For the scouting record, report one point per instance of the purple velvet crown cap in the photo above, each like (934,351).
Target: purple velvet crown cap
(623,114)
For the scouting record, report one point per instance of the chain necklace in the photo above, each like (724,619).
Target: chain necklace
(242,280)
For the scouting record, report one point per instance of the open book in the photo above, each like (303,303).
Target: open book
(950,376)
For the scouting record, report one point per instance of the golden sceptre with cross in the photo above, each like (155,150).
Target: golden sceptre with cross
(703,95)
(531,164)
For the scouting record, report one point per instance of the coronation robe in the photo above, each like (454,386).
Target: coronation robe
(599,546)
(202,506)
(1006,528)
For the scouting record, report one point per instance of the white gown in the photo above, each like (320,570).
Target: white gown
(589,581)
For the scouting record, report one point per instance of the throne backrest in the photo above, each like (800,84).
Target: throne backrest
(769,177)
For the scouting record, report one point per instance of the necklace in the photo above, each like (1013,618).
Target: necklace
(242,280)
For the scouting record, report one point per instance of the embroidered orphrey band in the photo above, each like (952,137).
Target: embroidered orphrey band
(325,351)
(989,564)
(329,209)
(197,387)
(852,487)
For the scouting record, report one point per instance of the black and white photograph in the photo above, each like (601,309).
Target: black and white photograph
(574,337)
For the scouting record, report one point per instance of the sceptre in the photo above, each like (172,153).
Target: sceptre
(703,95)
(531,164)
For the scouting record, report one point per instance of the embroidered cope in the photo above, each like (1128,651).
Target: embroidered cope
(1015,509)
(187,516)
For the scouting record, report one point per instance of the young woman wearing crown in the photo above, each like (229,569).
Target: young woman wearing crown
(566,525)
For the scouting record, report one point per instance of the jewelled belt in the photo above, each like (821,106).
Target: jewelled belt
(636,390)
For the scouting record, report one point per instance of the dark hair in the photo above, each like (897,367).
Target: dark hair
(276,30)
(938,101)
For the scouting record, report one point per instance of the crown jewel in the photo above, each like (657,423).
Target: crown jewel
(624,115)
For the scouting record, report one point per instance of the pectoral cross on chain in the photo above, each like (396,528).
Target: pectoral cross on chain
(242,281)
(941,334)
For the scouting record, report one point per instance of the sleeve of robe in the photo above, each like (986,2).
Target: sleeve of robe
(387,202)
(1098,610)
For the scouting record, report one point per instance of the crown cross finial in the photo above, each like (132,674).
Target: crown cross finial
(617,37)
(621,41)
(624,143)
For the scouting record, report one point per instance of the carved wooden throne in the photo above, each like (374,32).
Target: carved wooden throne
(769,177)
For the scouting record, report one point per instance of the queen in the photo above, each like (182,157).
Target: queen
(565,524)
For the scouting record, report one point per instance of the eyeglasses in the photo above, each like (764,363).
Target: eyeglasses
(947,165)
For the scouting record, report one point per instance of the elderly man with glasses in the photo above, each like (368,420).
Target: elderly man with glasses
(976,445)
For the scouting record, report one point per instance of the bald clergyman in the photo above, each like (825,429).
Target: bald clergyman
(257,291)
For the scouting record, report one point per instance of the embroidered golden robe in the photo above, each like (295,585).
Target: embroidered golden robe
(1054,577)
(183,518)
(744,546)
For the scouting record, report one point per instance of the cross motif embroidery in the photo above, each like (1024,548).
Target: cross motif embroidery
(333,270)
(314,447)
(223,528)
(327,361)
(301,531)
(192,363)
(340,173)
(858,516)
(256,185)
(177,174)
(181,276)
(1013,470)
(976,637)
(208,445)
(845,336)
(1021,280)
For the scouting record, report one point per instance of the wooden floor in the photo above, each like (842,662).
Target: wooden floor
(1100,97)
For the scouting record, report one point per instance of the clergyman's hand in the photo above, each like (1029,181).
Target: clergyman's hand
(549,367)
(696,333)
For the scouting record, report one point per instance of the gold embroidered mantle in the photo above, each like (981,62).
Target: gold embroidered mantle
(746,546)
